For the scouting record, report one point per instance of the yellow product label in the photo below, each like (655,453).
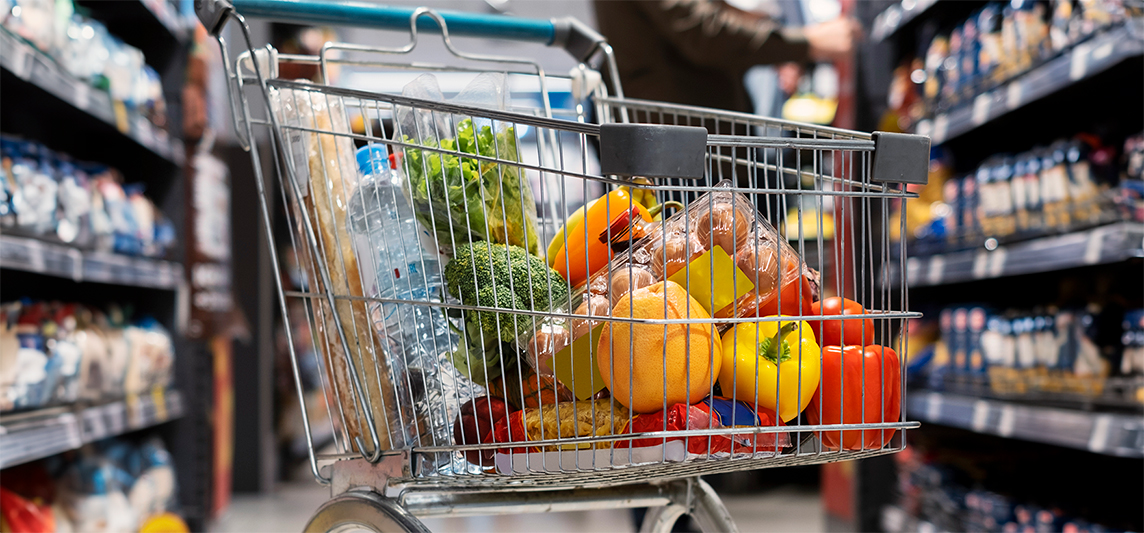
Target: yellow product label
(158,395)
(713,280)
(121,120)
(576,366)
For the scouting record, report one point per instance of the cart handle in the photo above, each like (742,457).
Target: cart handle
(577,38)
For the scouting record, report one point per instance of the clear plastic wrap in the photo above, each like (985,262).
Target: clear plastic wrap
(720,249)
(462,199)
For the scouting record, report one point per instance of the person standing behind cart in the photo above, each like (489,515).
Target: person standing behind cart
(695,52)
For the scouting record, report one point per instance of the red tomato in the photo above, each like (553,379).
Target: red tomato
(838,399)
(841,331)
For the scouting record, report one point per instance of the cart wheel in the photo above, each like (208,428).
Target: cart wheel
(706,509)
(363,511)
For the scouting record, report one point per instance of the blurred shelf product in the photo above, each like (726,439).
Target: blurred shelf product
(1084,60)
(113,484)
(37,434)
(1101,245)
(898,15)
(34,67)
(1105,433)
(32,255)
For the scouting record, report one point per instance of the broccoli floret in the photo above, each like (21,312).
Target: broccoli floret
(490,274)
(506,325)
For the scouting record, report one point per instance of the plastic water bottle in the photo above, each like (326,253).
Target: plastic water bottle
(398,259)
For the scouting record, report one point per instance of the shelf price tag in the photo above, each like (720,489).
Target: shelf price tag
(940,128)
(997,262)
(980,415)
(21,61)
(913,265)
(1078,62)
(1098,439)
(1007,421)
(933,407)
(981,106)
(980,264)
(1015,91)
(936,269)
(1094,246)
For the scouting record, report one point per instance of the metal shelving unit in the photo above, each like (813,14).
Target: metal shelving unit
(37,434)
(38,69)
(1083,61)
(1106,433)
(1101,245)
(31,255)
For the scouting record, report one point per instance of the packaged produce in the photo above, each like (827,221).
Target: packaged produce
(769,362)
(649,366)
(458,198)
(859,385)
(727,258)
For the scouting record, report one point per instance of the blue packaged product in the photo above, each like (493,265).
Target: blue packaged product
(989,37)
(970,52)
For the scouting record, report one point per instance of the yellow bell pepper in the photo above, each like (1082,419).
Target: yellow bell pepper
(764,362)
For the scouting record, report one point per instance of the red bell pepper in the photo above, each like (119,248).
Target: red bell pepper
(848,374)
(841,332)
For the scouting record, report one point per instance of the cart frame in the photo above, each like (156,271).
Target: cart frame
(382,488)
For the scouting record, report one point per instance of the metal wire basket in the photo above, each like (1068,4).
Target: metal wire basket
(607,352)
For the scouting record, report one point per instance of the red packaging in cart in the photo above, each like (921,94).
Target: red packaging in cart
(600,418)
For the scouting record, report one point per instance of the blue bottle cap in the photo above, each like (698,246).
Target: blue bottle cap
(372,159)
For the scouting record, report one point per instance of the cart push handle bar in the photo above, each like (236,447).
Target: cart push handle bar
(577,38)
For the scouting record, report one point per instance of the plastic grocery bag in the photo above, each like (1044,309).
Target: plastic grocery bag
(458,198)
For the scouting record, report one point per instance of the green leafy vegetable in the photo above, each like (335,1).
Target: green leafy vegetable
(463,199)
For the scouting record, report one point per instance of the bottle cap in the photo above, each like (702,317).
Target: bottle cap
(372,159)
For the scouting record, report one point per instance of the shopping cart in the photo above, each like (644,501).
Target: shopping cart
(769,217)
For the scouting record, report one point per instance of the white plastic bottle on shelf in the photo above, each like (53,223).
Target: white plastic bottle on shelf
(398,258)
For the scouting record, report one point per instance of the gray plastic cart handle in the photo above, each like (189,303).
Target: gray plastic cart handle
(568,33)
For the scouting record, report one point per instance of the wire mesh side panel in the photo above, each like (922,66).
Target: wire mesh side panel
(436,271)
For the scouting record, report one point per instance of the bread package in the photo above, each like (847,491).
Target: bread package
(326,174)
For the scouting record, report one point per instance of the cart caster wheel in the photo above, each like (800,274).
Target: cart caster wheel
(706,509)
(363,511)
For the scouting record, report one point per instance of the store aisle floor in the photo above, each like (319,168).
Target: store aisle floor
(788,510)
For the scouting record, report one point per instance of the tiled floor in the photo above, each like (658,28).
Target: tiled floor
(792,510)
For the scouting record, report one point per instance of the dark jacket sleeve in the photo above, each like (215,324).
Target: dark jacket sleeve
(714,34)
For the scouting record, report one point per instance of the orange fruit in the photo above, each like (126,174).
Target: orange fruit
(664,364)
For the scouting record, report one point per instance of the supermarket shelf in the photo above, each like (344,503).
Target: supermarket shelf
(31,255)
(152,26)
(1104,244)
(1105,433)
(1083,61)
(897,16)
(36,68)
(29,436)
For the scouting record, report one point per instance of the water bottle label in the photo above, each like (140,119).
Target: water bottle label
(367,264)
